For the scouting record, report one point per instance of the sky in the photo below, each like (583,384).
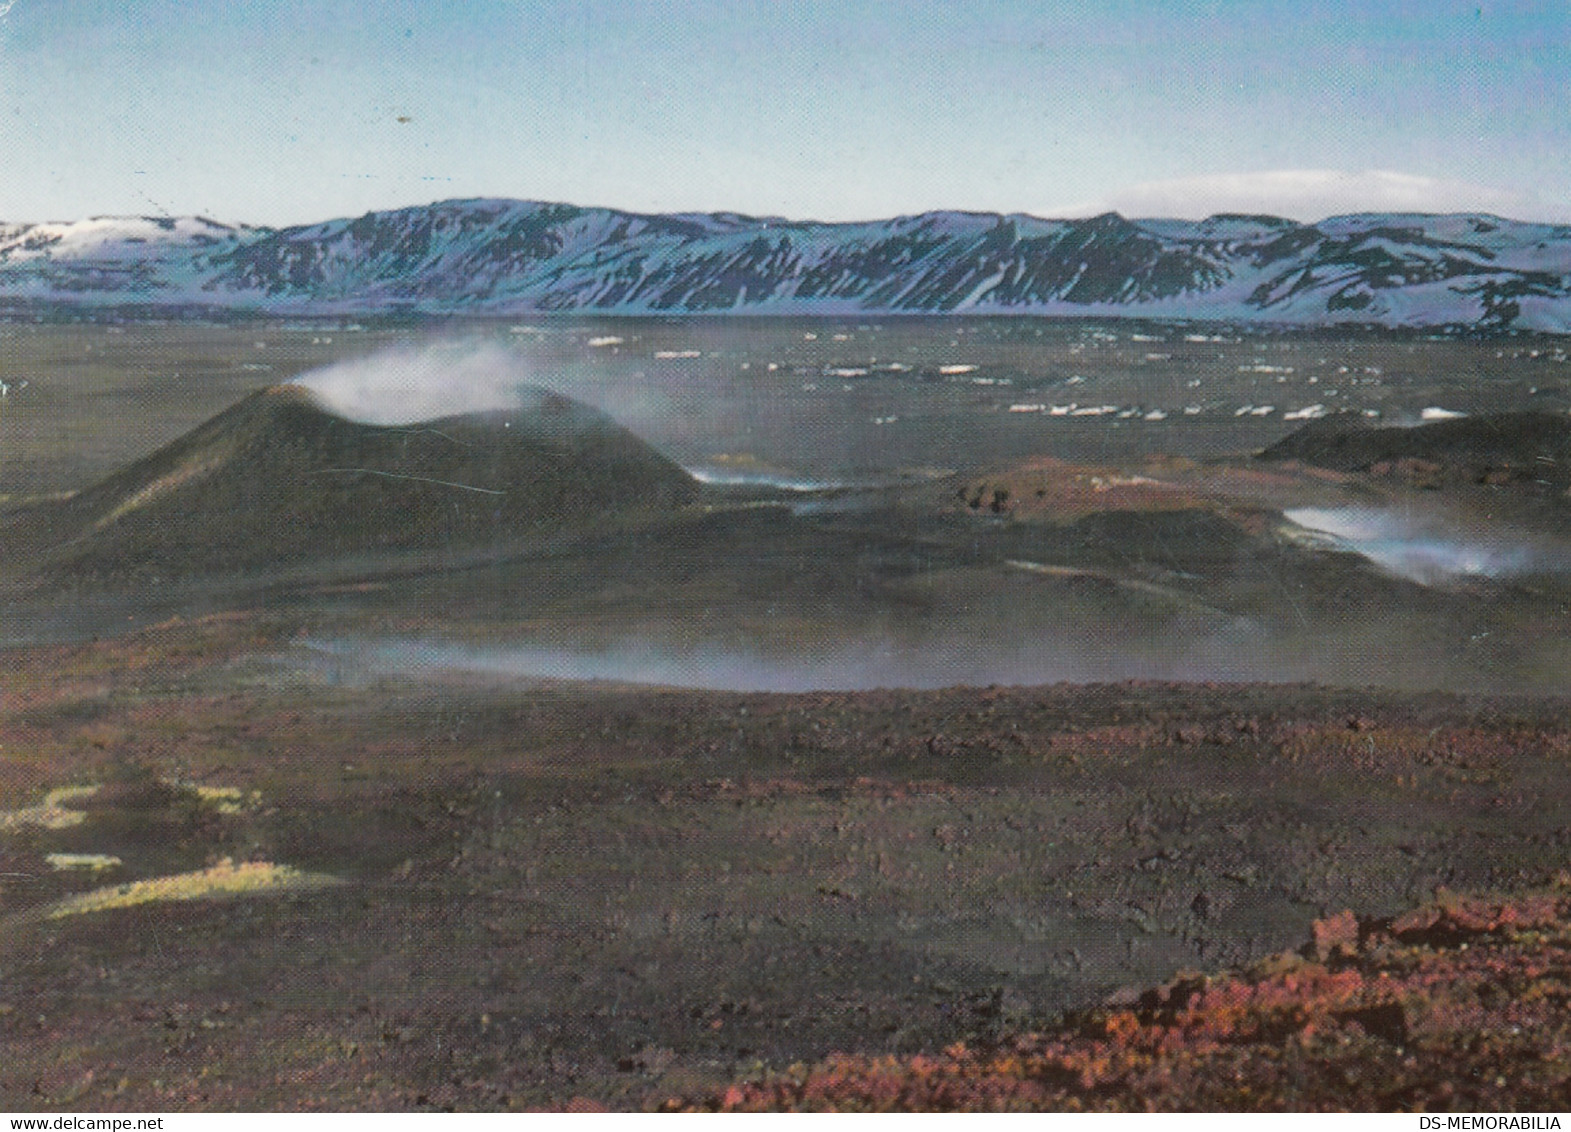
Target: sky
(290,111)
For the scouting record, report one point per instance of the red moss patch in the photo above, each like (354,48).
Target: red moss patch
(1459,1004)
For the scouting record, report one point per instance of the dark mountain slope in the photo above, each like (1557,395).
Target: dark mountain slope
(1525,449)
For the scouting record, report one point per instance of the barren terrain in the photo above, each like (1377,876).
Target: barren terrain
(902,724)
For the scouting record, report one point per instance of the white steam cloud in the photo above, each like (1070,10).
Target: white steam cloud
(401,387)
(1424,548)
(411,384)
(725,477)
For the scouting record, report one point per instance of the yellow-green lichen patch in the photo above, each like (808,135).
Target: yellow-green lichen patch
(224,799)
(54,812)
(225,880)
(92,862)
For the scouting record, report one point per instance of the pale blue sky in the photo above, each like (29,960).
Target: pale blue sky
(296,110)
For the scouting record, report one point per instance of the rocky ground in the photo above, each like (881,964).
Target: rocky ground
(232,881)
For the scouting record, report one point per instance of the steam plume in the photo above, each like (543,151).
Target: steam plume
(405,386)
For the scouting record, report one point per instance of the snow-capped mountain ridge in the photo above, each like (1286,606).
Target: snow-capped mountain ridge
(501,256)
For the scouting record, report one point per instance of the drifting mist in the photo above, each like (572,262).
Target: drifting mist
(411,385)
(959,659)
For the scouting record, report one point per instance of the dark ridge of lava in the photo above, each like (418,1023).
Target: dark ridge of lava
(279,479)
(1525,449)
